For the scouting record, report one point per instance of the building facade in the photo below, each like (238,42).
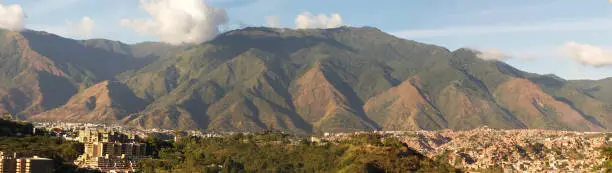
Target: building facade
(110,151)
(34,165)
(12,164)
(7,163)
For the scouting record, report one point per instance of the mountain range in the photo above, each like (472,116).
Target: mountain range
(307,81)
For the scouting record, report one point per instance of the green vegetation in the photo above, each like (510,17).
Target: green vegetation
(493,169)
(61,151)
(35,64)
(277,152)
(606,153)
(256,79)
(249,80)
(11,128)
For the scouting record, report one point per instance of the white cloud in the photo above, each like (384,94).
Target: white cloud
(545,26)
(273,21)
(588,54)
(41,8)
(308,20)
(81,30)
(12,17)
(492,54)
(84,28)
(178,22)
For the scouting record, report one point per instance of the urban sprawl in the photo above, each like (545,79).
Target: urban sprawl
(118,149)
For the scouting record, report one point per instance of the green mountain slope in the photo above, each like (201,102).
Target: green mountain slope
(41,71)
(345,79)
(305,81)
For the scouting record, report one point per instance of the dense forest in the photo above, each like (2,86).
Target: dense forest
(13,128)
(278,152)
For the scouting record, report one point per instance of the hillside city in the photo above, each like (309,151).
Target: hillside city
(475,150)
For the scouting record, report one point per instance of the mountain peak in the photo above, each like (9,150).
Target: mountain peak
(337,79)
(554,76)
(263,31)
(106,101)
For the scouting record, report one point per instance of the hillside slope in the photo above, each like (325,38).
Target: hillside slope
(345,79)
(315,80)
(104,102)
(40,71)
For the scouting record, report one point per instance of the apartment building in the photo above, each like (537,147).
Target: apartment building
(7,163)
(13,164)
(110,151)
(34,165)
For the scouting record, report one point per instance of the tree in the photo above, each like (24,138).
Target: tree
(229,154)
(71,150)
(155,144)
(393,142)
(7,116)
(146,166)
(606,152)
(231,166)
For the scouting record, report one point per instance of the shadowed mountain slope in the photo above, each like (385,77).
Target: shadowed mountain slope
(305,81)
(41,71)
(343,79)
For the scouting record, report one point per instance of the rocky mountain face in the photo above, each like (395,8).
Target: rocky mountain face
(41,71)
(103,102)
(309,81)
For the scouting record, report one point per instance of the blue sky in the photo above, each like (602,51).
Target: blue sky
(533,34)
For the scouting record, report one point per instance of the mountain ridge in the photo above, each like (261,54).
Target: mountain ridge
(341,79)
(42,70)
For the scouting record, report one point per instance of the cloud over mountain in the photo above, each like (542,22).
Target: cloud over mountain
(178,22)
(587,54)
(492,54)
(309,20)
(273,21)
(83,28)
(12,17)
